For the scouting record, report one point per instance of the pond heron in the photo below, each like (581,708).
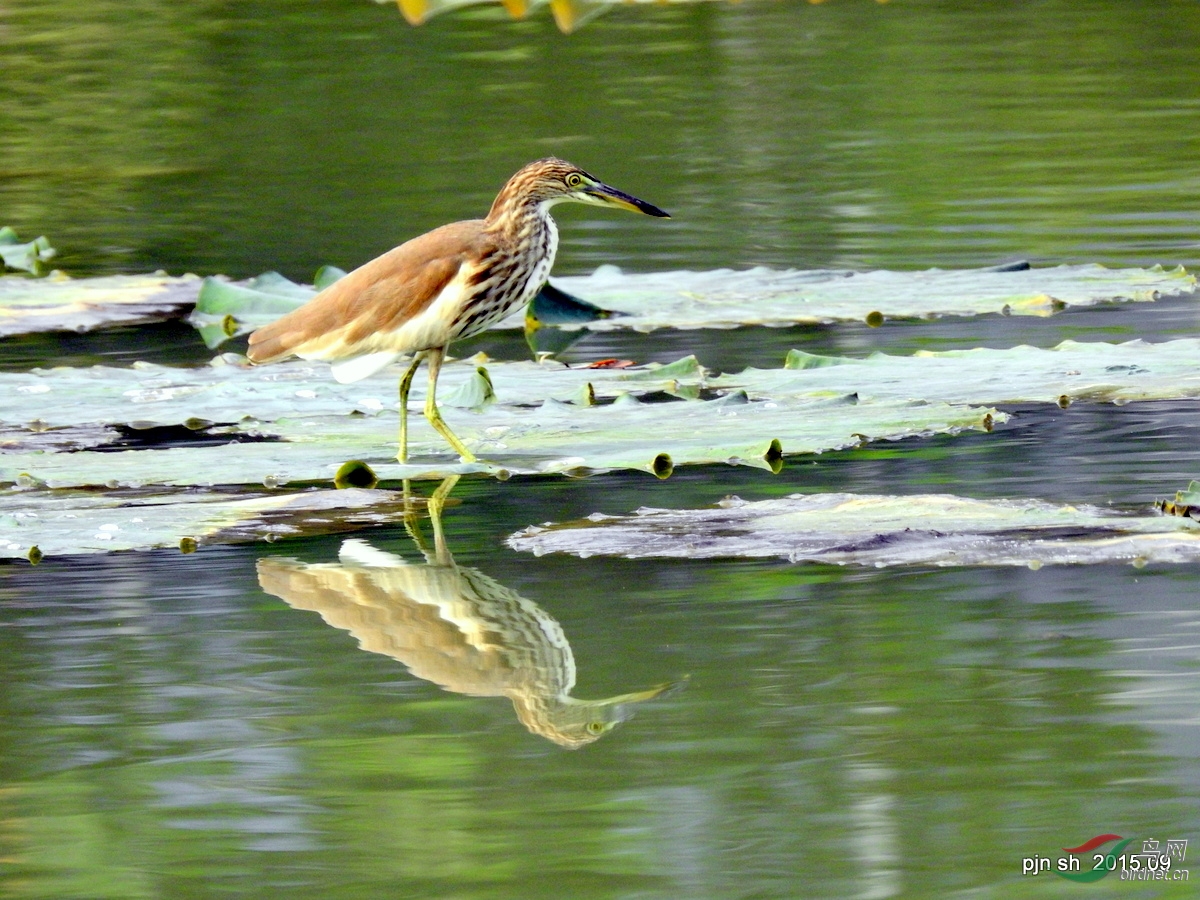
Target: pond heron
(448,284)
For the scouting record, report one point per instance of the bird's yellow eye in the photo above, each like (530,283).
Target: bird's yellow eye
(593,727)
(574,180)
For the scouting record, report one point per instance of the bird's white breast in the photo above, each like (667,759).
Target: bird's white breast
(542,270)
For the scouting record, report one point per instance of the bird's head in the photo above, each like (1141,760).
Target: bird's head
(573,723)
(550,181)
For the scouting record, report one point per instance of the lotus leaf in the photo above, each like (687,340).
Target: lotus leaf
(66,522)
(476,393)
(260,299)
(327,275)
(1186,503)
(552,438)
(254,303)
(293,423)
(1098,372)
(230,390)
(28,256)
(725,298)
(59,303)
(552,306)
(850,529)
(715,299)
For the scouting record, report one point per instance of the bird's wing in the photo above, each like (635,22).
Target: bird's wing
(374,299)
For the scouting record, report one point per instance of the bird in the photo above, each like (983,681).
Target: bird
(443,286)
(456,627)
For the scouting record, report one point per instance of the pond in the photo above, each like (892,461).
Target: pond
(351,715)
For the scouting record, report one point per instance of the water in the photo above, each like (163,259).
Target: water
(173,730)
(291,133)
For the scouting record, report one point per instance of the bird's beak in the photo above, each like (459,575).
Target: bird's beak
(640,696)
(603,195)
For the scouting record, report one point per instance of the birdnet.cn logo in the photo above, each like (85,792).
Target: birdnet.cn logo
(1108,855)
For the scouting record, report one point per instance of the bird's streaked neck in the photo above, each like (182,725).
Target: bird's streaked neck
(522,217)
(528,233)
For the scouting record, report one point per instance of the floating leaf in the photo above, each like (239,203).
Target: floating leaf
(532,429)
(230,390)
(264,298)
(214,330)
(327,275)
(28,257)
(476,393)
(552,438)
(548,342)
(716,299)
(688,368)
(355,474)
(56,523)
(1097,372)
(849,529)
(225,308)
(725,298)
(799,359)
(1186,503)
(553,306)
(59,303)
(1101,372)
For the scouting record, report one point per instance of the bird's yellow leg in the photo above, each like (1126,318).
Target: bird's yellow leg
(410,514)
(405,385)
(437,503)
(431,408)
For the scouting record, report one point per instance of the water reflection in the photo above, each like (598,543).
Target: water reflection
(454,626)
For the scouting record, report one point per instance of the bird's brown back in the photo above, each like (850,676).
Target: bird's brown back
(379,296)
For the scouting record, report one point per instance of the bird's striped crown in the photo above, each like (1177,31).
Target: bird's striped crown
(543,181)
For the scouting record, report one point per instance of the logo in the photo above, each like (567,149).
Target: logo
(1088,863)
(1103,862)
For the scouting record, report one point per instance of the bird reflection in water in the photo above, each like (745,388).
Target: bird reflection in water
(454,626)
